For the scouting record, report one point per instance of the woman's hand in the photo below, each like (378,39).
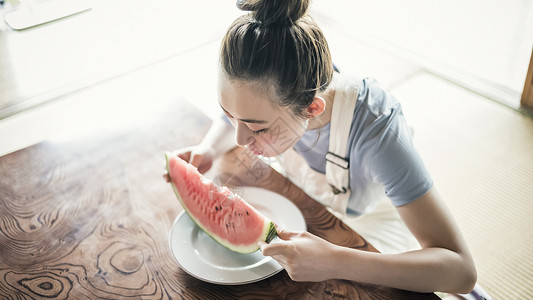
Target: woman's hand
(199,156)
(305,256)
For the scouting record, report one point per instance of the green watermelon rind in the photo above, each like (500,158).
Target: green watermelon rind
(269,229)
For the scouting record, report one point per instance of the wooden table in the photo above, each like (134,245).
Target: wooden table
(90,218)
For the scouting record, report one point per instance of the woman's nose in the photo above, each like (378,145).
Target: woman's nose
(243,135)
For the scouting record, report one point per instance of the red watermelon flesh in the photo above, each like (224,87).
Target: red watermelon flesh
(225,216)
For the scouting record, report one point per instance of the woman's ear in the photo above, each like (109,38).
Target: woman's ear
(317,107)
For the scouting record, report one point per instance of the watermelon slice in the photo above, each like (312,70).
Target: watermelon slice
(225,216)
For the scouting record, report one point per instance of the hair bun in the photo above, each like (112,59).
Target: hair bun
(272,12)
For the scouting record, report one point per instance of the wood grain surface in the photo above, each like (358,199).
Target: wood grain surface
(90,219)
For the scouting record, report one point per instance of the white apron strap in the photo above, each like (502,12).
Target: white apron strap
(337,164)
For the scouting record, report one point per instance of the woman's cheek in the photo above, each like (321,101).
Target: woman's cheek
(276,145)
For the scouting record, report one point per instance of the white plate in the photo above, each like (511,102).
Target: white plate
(202,257)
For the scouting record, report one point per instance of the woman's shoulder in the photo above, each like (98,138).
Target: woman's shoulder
(374,98)
(377,116)
(371,94)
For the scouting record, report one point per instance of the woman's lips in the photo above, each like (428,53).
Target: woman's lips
(255,151)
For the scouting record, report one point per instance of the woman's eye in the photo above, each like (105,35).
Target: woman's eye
(258,132)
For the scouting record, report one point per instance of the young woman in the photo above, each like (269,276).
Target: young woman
(345,142)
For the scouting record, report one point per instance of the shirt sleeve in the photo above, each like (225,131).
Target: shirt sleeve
(386,150)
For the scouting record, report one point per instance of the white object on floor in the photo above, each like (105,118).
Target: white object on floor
(32,14)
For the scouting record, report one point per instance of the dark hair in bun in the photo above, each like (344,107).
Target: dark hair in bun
(278,43)
(270,12)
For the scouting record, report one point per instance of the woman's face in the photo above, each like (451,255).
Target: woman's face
(262,126)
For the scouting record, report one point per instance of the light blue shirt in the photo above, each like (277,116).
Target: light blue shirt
(380,151)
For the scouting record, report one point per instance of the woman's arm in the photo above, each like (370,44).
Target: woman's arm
(451,266)
(220,138)
(443,264)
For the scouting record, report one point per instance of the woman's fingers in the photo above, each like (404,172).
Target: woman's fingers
(195,159)
(279,248)
(186,156)
(197,156)
(272,249)
(285,234)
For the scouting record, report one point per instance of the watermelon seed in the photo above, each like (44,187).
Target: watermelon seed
(247,213)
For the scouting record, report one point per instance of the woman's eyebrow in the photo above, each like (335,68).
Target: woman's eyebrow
(246,120)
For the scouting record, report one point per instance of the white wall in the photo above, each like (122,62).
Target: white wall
(486,40)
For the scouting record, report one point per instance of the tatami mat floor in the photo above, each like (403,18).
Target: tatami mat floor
(480,155)
(479,152)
